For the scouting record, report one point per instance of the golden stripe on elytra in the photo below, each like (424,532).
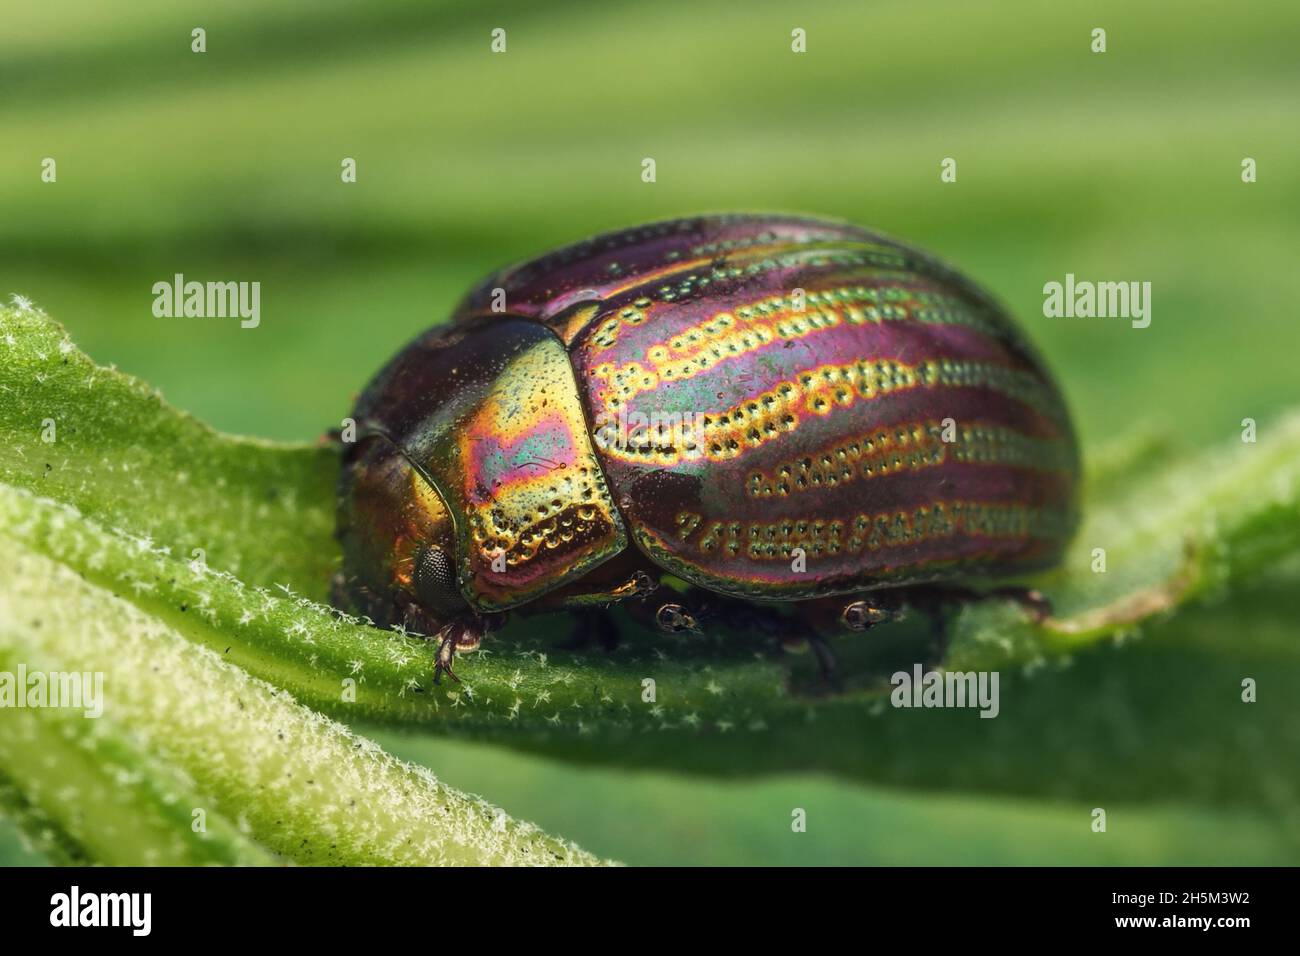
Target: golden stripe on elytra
(728,335)
(727,434)
(908,447)
(819,537)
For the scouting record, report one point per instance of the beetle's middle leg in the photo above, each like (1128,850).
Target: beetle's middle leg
(941,602)
(699,609)
(589,599)
(670,612)
(793,629)
(593,625)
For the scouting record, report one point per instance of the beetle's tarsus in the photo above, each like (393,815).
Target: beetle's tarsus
(865,613)
(674,618)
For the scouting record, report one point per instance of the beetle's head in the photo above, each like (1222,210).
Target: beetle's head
(399,540)
(481,485)
(439,606)
(399,551)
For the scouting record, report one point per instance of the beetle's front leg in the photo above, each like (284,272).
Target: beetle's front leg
(462,634)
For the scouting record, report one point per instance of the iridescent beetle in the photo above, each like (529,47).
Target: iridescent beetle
(802,420)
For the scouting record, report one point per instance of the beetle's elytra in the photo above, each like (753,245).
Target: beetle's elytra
(788,414)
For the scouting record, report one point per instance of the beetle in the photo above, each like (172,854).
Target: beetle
(798,421)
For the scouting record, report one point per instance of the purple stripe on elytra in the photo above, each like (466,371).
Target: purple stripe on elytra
(618,259)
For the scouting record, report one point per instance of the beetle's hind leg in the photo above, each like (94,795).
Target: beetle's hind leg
(941,603)
(941,599)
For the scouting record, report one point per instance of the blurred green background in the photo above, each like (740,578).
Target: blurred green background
(1119,166)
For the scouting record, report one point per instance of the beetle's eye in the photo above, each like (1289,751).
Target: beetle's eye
(435,580)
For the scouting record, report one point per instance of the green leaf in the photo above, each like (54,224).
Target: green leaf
(86,788)
(183,730)
(218,741)
(128,487)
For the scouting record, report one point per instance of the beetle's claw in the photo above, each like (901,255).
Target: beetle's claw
(446,654)
(462,635)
